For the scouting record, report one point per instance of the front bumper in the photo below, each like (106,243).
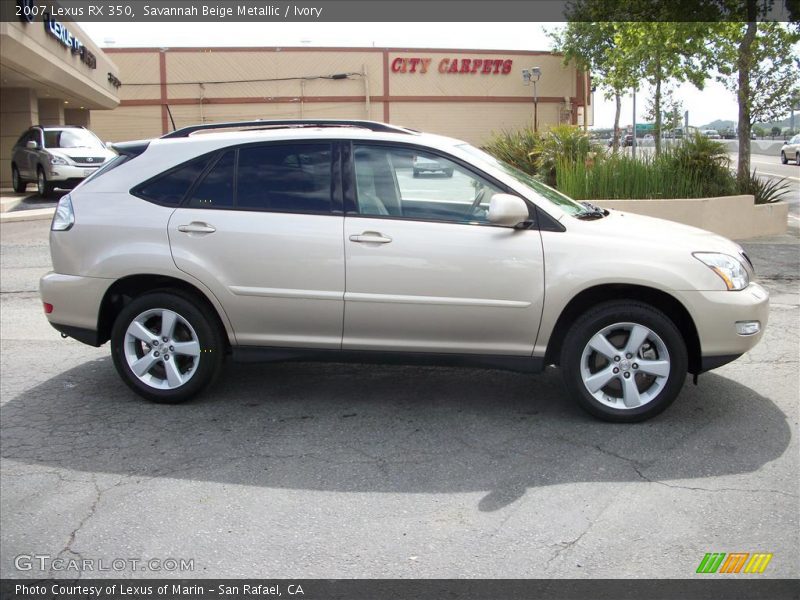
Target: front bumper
(715,315)
(69,173)
(76,303)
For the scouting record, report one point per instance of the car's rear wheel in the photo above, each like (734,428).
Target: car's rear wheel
(166,347)
(415,173)
(624,361)
(784,160)
(797,158)
(17,182)
(43,187)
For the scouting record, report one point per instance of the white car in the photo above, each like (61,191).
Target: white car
(421,164)
(59,156)
(791,150)
(308,240)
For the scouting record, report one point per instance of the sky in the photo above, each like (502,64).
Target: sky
(713,102)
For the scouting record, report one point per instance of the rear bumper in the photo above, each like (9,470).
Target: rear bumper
(76,303)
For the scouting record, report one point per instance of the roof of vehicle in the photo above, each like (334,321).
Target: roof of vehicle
(223,134)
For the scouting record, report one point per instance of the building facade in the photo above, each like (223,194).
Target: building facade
(463,93)
(51,73)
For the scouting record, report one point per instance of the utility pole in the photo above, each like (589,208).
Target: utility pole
(633,144)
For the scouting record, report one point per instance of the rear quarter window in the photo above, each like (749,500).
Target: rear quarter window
(171,187)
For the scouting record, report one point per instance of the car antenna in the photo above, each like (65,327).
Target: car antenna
(169,112)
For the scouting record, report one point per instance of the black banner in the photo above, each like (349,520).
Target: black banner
(703,588)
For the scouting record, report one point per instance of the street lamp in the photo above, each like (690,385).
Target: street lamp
(529,76)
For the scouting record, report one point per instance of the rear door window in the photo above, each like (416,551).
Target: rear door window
(285,178)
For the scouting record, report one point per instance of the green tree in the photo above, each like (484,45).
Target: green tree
(759,131)
(671,110)
(754,59)
(664,52)
(775,131)
(591,45)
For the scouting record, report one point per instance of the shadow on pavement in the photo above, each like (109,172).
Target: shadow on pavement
(358,428)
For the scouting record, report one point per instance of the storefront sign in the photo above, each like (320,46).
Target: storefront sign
(460,66)
(59,31)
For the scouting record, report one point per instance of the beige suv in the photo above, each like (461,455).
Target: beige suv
(313,240)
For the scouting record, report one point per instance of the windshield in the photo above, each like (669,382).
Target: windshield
(539,189)
(71,138)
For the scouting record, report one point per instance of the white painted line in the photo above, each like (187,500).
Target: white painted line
(37,214)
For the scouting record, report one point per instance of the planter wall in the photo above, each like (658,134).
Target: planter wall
(735,217)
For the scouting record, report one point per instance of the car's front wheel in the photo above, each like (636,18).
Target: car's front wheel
(43,187)
(784,160)
(624,361)
(16,180)
(166,347)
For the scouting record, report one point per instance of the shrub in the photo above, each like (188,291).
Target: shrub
(518,148)
(623,177)
(564,143)
(764,191)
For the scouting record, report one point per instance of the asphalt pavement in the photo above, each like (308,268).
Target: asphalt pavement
(325,471)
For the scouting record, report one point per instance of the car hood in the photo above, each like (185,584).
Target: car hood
(650,231)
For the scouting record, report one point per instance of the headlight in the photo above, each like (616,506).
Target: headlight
(730,270)
(64,218)
(57,160)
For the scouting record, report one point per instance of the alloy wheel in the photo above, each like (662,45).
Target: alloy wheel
(625,365)
(162,349)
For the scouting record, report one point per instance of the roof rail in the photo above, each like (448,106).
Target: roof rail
(288,123)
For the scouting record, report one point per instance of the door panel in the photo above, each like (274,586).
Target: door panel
(442,287)
(279,276)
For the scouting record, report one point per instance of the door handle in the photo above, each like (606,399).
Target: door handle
(370,237)
(197,227)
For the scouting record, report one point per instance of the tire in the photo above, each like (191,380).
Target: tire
(160,381)
(416,173)
(797,158)
(17,182)
(784,160)
(43,187)
(654,387)
(448,172)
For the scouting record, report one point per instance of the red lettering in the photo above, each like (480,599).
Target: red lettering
(396,65)
(424,65)
(413,62)
(453,66)
(443,64)
(497,65)
(487,67)
(476,64)
(507,67)
(465,65)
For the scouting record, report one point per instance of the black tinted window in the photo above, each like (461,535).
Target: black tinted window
(285,178)
(216,189)
(171,187)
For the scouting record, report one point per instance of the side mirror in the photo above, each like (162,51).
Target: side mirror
(31,145)
(505,209)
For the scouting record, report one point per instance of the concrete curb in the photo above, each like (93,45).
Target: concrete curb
(36,214)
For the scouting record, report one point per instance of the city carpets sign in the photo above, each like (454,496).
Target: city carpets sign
(460,66)
(59,31)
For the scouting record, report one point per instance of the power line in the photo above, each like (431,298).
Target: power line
(335,76)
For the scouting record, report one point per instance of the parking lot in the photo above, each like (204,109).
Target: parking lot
(327,471)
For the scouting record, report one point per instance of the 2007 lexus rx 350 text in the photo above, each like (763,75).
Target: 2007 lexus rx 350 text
(313,240)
